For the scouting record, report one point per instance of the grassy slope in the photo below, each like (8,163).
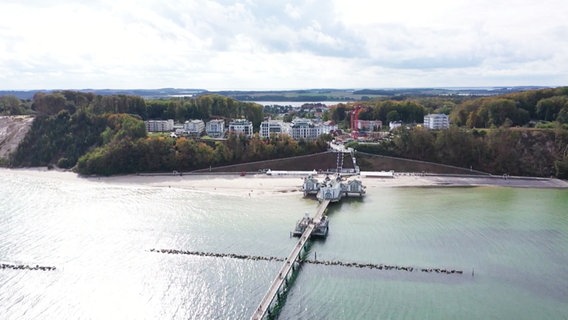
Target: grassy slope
(328,160)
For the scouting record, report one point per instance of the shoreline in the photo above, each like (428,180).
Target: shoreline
(253,185)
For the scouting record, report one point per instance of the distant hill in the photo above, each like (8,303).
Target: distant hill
(144,93)
(473,91)
(314,95)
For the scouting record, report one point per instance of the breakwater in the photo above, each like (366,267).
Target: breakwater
(25,267)
(384,267)
(218,255)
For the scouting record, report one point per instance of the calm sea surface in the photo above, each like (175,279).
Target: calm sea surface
(98,235)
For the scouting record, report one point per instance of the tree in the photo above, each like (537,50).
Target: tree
(222,154)
(549,109)
(563,115)
(498,110)
(124,125)
(456,147)
(392,116)
(561,167)
(417,143)
(48,104)
(338,113)
(11,105)
(156,109)
(156,154)
(253,113)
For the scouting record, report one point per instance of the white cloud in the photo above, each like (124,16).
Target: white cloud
(292,11)
(257,44)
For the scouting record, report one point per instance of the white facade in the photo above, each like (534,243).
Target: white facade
(159,125)
(241,126)
(273,126)
(215,128)
(436,121)
(369,125)
(306,129)
(394,124)
(194,127)
(328,127)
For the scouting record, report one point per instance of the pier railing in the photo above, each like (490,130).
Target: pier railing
(281,280)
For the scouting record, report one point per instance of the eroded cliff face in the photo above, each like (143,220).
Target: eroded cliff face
(12,130)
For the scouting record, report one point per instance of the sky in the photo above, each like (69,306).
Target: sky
(278,45)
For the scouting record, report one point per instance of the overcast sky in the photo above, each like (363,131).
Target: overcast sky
(253,44)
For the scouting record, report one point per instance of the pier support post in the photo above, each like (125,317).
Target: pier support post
(281,284)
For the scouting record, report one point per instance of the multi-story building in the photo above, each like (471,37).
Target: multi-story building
(303,129)
(368,125)
(159,125)
(215,128)
(307,129)
(273,126)
(241,126)
(194,127)
(436,121)
(328,127)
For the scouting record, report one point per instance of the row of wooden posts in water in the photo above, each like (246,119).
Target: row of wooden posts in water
(315,261)
(262,258)
(25,267)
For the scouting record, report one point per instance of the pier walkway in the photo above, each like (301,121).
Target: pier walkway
(289,264)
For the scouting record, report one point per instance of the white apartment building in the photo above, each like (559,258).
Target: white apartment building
(328,127)
(273,126)
(436,121)
(303,129)
(307,129)
(368,125)
(159,125)
(194,127)
(241,126)
(215,128)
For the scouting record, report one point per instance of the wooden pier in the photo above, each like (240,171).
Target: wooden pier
(281,280)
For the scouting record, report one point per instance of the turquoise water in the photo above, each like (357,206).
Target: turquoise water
(515,240)
(99,234)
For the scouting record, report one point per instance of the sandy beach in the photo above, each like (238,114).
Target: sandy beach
(259,184)
(253,185)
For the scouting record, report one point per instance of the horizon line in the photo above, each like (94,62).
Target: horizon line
(287,89)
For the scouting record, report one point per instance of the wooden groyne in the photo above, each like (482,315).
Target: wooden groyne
(331,263)
(25,267)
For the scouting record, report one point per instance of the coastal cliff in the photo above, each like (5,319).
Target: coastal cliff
(12,130)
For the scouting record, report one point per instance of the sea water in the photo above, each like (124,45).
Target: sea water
(511,244)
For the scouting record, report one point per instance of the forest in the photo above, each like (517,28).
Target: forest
(106,135)
(519,109)
(522,133)
(519,133)
(537,152)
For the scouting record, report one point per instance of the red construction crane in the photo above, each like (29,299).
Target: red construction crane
(355,121)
